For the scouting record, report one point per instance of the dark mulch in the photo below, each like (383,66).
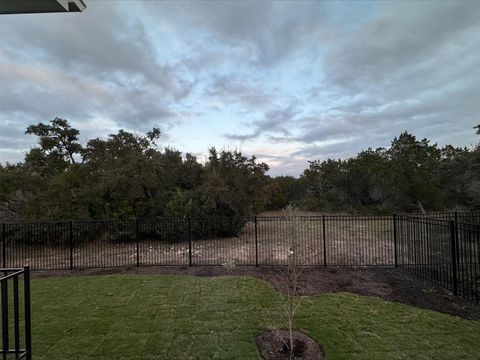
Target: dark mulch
(274,345)
(386,283)
(389,284)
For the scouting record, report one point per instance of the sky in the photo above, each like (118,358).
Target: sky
(286,81)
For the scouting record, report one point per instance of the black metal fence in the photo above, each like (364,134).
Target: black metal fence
(16,326)
(325,240)
(446,252)
(420,243)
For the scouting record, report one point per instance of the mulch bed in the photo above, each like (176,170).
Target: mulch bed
(274,345)
(387,283)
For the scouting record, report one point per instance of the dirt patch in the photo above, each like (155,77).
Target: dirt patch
(274,346)
(387,283)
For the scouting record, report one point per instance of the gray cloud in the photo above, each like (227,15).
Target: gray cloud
(408,39)
(274,121)
(411,69)
(100,69)
(246,92)
(11,137)
(42,93)
(266,31)
(103,43)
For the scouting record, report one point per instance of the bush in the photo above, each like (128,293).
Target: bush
(171,229)
(212,227)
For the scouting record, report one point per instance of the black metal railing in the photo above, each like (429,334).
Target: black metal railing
(341,240)
(420,243)
(16,320)
(446,252)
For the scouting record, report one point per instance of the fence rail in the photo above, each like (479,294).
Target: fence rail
(16,326)
(420,243)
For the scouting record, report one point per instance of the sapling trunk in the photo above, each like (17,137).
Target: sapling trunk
(292,273)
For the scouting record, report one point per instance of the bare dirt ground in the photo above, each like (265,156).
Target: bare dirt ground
(387,283)
(273,346)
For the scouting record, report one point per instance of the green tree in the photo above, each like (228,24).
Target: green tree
(180,205)
(120,171)
(233,184)
(285,190)
(58,147)
(127,175)
(414,166)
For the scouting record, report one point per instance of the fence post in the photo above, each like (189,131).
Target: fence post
(454,257)
(28,323)
(5,316)
(4,246)
(456,236)
(256,242)
(395,239)
(137,241)
(189,232)
(70,240)
(324,242)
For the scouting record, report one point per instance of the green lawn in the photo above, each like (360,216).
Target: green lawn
(182,317)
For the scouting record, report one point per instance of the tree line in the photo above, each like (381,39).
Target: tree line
(126,175)
(410,176)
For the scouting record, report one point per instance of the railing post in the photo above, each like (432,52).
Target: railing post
(454,257)
(395,239)
(189,232)
(5,313)
(70,241)
(16,317)
(137,241)
(324,242)
(455,214)
(28,323)
(256,242)
(4,246)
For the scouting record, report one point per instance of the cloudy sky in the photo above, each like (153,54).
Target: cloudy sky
(287,81)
